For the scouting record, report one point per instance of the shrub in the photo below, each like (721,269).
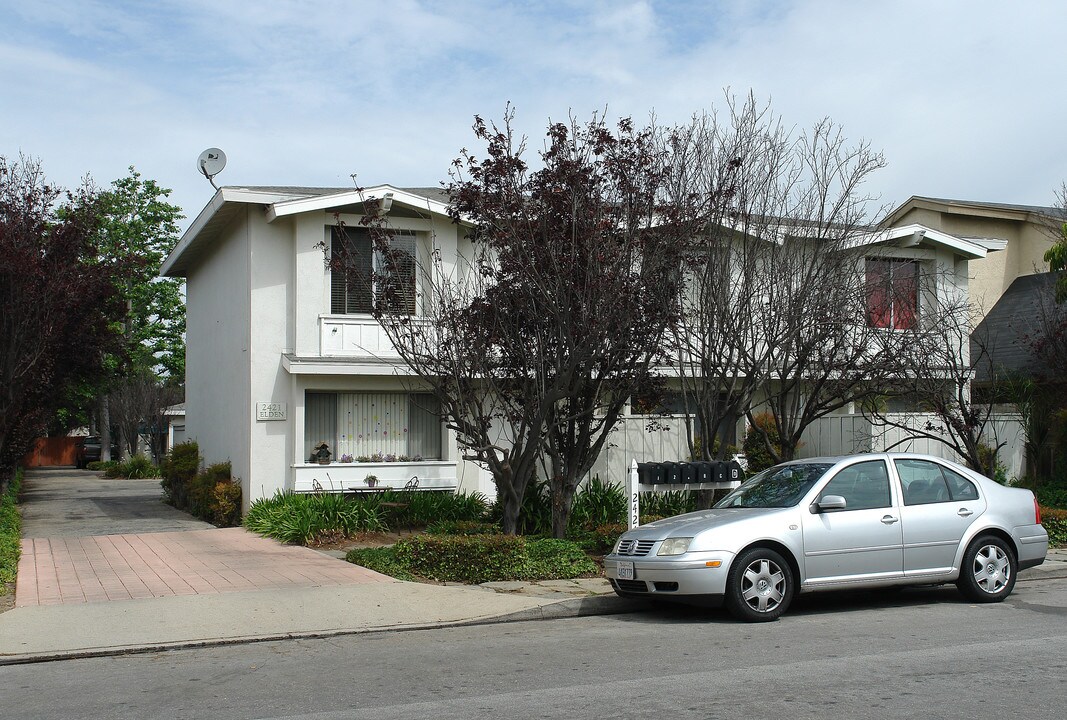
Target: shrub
(1052,495)
(553,559)
(596,503)
(990,459)
(101,465)
(382,559)
(756,453)
(137,467)
(419,508)
(666,504)
(303,519)
(468,559)
(178,469)
(1054,521)
(10,531)
(463,527)
(602,539)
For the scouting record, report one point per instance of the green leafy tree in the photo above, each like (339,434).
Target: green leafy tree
(139,228)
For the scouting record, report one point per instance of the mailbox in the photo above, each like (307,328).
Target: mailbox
(705,471)
(672,473)
(722,472)
(735,473)
(650,473)
(688,472)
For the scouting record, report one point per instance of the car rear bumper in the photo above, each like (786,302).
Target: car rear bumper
(1032,541)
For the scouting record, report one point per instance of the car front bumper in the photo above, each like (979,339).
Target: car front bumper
(689,574)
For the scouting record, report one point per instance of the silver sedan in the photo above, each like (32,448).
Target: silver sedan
(860,521)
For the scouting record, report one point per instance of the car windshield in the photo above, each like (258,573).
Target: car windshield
(777,487)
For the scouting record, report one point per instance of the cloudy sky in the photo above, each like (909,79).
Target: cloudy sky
(964,97)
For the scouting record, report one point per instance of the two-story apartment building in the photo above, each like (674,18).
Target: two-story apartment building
(283,356)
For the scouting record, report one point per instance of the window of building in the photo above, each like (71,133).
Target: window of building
(892,293)
(370,276)
(366,425)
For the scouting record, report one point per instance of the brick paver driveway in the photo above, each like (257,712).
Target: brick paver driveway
(87,539)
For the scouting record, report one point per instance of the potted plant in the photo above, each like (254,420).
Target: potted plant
(371,480)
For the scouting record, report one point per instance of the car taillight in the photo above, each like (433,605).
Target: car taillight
(1037,512)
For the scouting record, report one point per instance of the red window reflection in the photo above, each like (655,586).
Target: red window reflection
(892,293)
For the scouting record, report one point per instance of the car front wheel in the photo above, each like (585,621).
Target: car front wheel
(760,586)
(988,571)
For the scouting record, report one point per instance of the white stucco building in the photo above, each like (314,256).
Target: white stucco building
(281,356)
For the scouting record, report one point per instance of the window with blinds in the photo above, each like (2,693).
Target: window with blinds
(363,277)
(369,424)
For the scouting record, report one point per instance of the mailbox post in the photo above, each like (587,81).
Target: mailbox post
(634,488)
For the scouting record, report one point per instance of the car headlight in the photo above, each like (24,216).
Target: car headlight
(674,546)
(615,548)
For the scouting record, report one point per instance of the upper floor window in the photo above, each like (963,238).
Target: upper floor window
(371,277)
(892,293)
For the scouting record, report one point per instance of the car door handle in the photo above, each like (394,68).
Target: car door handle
(888,519)
(964,512)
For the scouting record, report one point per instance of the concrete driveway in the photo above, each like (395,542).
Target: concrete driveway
(88,539)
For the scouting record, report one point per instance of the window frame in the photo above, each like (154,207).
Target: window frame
(890,292)
(360,295)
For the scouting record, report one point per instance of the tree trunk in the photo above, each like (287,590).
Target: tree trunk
(105,429)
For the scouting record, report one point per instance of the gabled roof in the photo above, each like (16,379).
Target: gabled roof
(1040,214)
(914,234)
(280,201)
(1006,326)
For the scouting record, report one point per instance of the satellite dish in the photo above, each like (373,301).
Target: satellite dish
(210,163)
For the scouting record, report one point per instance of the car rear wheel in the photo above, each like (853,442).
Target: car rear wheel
(760,586)
(988,571)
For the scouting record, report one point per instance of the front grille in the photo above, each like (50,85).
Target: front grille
(630,586)
(637,548)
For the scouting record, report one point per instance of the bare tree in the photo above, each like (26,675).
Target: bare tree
(939,364)
(773,314)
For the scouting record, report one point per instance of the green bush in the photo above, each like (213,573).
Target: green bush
(137,467)
(382,559)
(470,559)
(178,469)
(10,532)
(990,459)
(101,465)
(756,453)
(553,559)
(666,504)
(595,504)
(602,539)
(419,508)
(475,559)
(304,519)
(1053,495)
(1054,521)
(463,527)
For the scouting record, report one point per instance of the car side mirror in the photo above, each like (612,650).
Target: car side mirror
(829,503)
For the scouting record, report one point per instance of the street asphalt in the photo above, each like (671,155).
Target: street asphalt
(115,571)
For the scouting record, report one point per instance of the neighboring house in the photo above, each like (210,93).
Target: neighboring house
(1022,233)
(282,356)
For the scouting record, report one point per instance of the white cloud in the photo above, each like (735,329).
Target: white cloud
(963,97)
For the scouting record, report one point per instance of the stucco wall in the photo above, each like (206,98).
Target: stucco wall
(271,263)
(217,352)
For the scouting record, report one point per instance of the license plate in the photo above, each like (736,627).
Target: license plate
(625,570)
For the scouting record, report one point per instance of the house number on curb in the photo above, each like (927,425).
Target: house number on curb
(270,411)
